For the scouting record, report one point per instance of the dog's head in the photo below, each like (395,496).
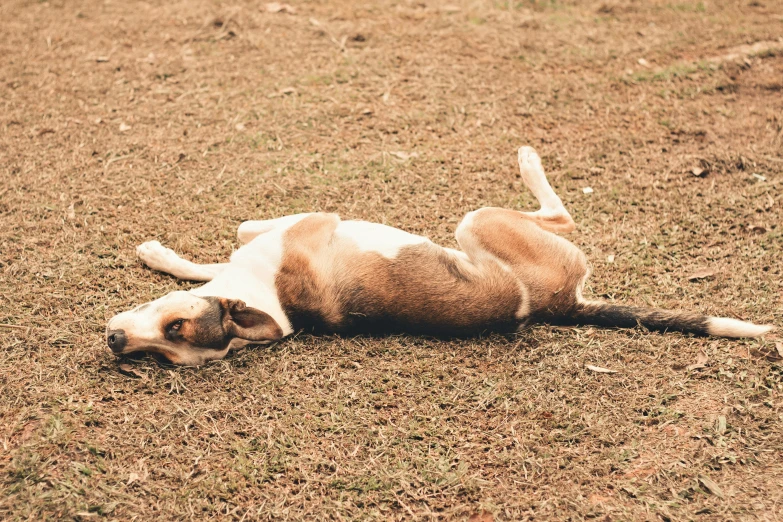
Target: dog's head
(190,330)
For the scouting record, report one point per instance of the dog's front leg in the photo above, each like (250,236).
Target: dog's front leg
(163,259)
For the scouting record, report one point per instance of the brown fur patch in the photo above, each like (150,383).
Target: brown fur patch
(204,331)
(250,324)
(327,284)
(551,267)
(302,282)
(427,290)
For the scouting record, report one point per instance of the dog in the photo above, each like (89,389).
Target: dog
(319,273)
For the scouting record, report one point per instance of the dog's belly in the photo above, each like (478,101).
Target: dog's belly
(426,289)
(422,288)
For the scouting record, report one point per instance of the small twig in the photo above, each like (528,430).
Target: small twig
(339,43)
(14,326)
(281,189)
(114,159)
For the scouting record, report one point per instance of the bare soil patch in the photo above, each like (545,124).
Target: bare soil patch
(125,122)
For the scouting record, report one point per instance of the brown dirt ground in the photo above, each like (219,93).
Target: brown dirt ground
(123,122)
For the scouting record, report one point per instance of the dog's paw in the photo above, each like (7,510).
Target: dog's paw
(156,256)
(528,158)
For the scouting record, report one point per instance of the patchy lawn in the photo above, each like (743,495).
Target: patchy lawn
(125,122)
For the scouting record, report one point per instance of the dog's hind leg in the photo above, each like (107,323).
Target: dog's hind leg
(163,259)
(552,215)
(551,268)
(249,230)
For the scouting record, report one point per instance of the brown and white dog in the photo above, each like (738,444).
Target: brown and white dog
(316,272)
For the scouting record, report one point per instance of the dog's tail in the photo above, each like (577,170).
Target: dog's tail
(620,316)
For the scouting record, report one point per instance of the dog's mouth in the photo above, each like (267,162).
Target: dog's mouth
(128,362)
(139,352)
(137,355)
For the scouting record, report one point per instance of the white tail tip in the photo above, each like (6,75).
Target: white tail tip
(725,327)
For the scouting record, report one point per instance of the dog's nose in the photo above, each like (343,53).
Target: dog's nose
(116,340)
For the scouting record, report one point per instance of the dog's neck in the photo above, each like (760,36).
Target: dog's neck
(256,288)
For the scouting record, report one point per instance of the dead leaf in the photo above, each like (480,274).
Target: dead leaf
(131,371)
(710,486)
(45,131)
(483,516)
(698,172)
(702,273)
(720,425)
(599,369)
(277,7)
(701,362)
(133,477)
(124,127)
(757,229)
(774,355)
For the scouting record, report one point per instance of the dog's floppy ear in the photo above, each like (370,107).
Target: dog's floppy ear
(247,323)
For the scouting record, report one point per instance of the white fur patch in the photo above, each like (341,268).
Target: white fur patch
(374,237)
(251,278)
(459,254)
(725,327)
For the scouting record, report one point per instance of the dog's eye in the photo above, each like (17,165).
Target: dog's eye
(176,325)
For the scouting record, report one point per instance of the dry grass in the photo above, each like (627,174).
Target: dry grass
(122,123)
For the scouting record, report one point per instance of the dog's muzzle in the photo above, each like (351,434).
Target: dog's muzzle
(116,340)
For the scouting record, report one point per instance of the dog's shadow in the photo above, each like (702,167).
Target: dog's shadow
(135,364)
